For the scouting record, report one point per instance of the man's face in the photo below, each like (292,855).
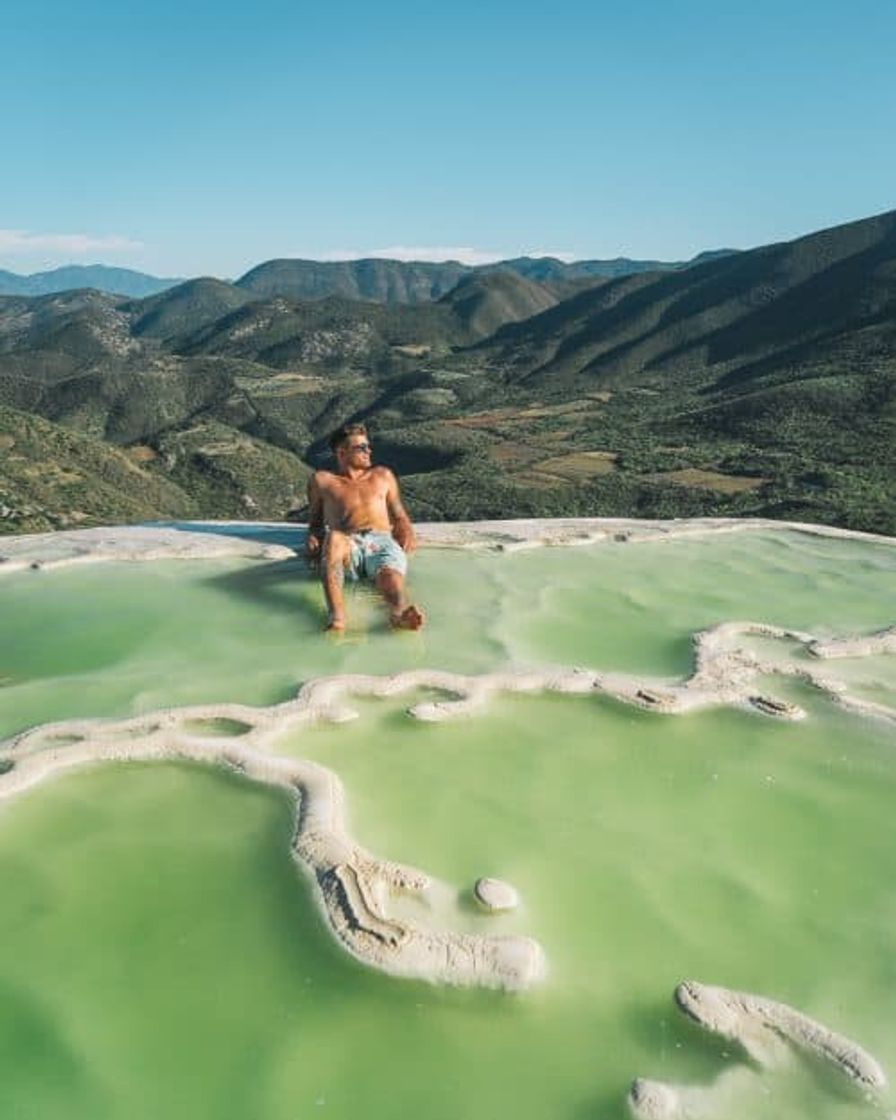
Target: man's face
(356,451)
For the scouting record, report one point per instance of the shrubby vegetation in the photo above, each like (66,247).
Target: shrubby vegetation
(758,384)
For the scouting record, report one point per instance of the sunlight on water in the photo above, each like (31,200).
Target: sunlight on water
(162,955)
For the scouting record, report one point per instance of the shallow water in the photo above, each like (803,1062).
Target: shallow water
(162,954)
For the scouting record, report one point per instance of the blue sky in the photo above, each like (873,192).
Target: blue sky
(205,138)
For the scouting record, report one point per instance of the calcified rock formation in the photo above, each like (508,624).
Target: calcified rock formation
(655,1100)
(41,551)
(353,885)
(765,1029)
(760,1025)
(884,641)
(495,895)
(515,535)
(725,673)
(205,540)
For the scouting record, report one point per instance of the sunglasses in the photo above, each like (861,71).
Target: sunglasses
(360,447)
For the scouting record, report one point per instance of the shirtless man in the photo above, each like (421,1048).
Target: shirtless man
(358,524)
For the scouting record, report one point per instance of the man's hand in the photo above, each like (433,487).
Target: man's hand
(313,547)
(315,539)
(403,532)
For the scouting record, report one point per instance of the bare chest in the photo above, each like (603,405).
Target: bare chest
(351,502)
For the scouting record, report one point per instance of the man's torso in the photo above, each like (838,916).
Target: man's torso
(352,505)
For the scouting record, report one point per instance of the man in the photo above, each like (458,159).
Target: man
(357,524)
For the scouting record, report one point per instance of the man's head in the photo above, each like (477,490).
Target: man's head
(351,445)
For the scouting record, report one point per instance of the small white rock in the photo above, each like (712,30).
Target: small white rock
(494,894)
(652,1100)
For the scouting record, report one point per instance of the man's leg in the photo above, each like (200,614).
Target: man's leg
(337,550)
(402,615)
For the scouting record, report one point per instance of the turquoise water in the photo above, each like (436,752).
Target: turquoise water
(162,953)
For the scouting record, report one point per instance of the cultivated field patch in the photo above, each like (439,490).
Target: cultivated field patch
(698,479)
(562,470)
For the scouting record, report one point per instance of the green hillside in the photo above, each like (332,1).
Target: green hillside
(373,279)
(485,301)
(183,310)
(752,383)
(415,282)
(54,478)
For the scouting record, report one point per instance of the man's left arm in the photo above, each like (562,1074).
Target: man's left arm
(402,529)
(315,537)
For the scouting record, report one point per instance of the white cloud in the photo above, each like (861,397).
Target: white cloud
(24,242)
(466,254)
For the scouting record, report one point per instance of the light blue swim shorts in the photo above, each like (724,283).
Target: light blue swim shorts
(372,551)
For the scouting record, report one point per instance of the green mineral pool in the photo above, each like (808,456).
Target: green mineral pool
(164,956)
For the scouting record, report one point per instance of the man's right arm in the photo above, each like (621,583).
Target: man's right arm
(402,529)
(315,539)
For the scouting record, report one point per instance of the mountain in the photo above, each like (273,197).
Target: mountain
(719,318)
(761,382)
(484,301)
(383,281)
(47,337)
(209,317)
(552,269)
(769,376)
(140,371)
(184,309)
(386,281)
(53,477)
(373,279)
(118,281)
(336,332)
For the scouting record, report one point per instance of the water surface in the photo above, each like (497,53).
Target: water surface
(163,955)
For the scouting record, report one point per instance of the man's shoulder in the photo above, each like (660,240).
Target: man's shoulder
(322,477)
(382,472)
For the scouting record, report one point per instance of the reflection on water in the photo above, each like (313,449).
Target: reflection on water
(161,952)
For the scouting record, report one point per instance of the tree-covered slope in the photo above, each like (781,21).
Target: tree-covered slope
(753,383)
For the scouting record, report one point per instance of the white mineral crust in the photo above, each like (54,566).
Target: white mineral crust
(495,894)
(353,886)
(765,1029)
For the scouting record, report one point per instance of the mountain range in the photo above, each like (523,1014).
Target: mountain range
(385,281)
(760,382)
(124,281)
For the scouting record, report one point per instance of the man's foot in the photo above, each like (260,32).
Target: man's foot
(335,626)
(411,618)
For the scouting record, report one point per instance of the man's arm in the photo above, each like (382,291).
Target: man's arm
(402,529)
(315,537)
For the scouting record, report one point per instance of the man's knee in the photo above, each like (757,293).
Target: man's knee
(388,577)
(390,584)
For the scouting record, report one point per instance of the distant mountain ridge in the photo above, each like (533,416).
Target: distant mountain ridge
(104,278)
(394,281)
(374,278)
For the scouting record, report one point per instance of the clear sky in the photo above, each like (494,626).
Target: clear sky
(203,138)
